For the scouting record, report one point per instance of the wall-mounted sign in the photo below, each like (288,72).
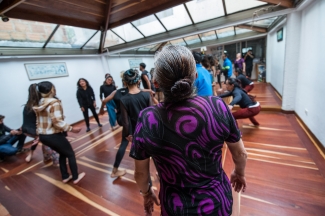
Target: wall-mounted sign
(134,63)
(37,71)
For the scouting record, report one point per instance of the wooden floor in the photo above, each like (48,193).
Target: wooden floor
(285,175)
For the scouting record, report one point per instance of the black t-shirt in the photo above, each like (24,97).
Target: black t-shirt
(239,97)
(144,83)
(86,97)
(249,60)
(29,122)
(117,99)
(106,90)
(243,80)
(131,106)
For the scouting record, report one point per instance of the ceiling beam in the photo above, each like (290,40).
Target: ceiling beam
(107,16)
(48,51)
(224,7)
(254,28)
(164,6)
(8,5)
(284,3)
(210,25)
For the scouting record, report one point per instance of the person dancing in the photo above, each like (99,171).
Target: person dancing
(249,107)
(106,89)
(86,100)
(52,130)
(29,128)
(245,83)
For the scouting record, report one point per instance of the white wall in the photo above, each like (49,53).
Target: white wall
(118,64)
(14,85)
(310,77)
(275,59)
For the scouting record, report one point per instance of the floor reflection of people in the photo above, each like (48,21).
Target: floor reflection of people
(184,135)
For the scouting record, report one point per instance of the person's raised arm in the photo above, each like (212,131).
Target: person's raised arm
(244,66)
(109,97)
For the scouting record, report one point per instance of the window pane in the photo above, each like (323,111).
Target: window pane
(263,23)
(192,39)
(226,32)
(208,36)
(202,10)
(147,48)
(112,39)
(149,25)
(70,37)
(127,32)
(178,42)
(94,42)
(233,6)
(242,30)
(22,33)
(175,17)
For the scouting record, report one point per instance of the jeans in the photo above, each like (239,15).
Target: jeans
(7,149)
(110,105)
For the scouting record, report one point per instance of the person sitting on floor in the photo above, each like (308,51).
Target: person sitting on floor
(246,83)
(8,140)
(249,107)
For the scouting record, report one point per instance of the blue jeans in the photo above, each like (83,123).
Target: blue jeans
(110,105)
(7,149)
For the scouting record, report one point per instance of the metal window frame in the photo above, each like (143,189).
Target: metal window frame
(189,14)
(160,22)
(89,39)
(117,35)
(137,29)
(51,35)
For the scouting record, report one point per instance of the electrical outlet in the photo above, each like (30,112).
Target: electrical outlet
(306,111)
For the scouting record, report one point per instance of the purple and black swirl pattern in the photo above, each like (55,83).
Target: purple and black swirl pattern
(185,140)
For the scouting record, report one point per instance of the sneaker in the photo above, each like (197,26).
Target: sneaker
(88,129)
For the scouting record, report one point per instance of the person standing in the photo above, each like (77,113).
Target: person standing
(8,140)
(203,80)
(29,128)
(249,107)
(106,89)
(240,62)
(184,136)
(86,100)
(52,130)
(146,78)
(218,73)
(245,83)
(249,57)
(227,66)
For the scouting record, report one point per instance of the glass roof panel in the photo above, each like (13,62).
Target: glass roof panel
(112,39)
(94,42)
(70,37)
(149,25)
(178,42)
(208,36)
(202,10)
(263,23)
(175,17)
(23,33)
(147,48)
(233,6)
(192,39)
(127,32)
(242,30)
(226,32)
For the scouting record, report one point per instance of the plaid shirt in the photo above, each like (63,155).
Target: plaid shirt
(50,119)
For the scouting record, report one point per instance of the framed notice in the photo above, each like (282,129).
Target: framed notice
(134,63)
(279,35)
(37,71)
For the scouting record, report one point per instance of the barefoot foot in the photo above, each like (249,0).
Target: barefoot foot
(118,173)
(67,180)
(80,176)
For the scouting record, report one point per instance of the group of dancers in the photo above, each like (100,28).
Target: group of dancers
(43,117)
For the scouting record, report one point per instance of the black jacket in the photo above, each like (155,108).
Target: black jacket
(240,97)
(3,137)
(243,80)
(86,97)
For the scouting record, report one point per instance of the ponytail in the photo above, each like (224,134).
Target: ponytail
(34,96)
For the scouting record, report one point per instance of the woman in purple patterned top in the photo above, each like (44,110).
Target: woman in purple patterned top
(184,136)
(240,62)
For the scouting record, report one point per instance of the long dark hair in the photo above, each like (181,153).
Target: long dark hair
(175,70)
(235,82)
(212,60)
(33,97)
(87,83)
(239,71)
(45,88)
(205,62)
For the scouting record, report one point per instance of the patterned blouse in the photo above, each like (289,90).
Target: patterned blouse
(185,139)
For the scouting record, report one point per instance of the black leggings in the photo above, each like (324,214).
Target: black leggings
(249,71)
(86,116)
(59,143)
(225,72)
(121,151)
(219,79)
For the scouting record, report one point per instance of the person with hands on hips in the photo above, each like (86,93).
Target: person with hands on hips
(86,100)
